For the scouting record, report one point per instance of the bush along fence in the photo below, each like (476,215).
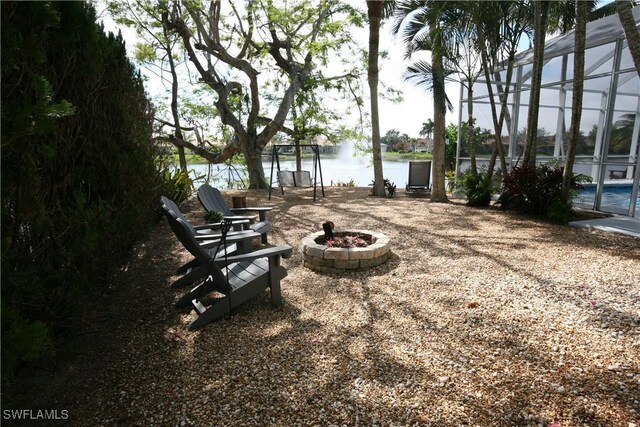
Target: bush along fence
(79,179)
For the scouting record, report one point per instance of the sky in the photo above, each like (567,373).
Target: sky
(406,116)
(417,106)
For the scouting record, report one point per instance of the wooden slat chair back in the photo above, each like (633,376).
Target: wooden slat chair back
(169,206)
(211,199)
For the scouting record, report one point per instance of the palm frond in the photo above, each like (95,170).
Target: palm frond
(602,11)
(388,7)
(422,74)
(412,26)
(420,42)
(403,9)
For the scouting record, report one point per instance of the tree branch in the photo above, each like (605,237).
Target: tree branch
(226,114)
(164,122)
(219,157)
(261,120)
(296,81)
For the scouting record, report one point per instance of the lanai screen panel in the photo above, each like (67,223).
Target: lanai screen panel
(608,146)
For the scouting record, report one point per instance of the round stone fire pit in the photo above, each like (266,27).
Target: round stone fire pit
(336,260)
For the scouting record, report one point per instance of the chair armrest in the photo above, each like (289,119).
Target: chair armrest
(217,236)
(216,225)
(285,251)
(240,237)
(262,212)
(235,218)
(256,209)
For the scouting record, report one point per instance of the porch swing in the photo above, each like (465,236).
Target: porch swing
(303,178)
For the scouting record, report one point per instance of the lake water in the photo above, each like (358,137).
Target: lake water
(334,170)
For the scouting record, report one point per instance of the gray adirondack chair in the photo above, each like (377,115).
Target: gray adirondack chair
(237,241)
(200,231)
(211,200)
(419,175)
(237,277)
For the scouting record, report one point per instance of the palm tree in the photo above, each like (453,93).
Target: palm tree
(374,10)
(622,133)
(540,30)
(421,26)
(581,13)
(630,30)
(465,54)
(427,129)
(499,26)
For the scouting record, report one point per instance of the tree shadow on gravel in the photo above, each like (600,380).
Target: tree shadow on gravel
(137,299)
(370,348)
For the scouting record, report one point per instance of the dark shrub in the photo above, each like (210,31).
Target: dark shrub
(537,191)
(477,188)
(79,180)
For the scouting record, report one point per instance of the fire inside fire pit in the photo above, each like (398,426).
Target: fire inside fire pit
(341,251)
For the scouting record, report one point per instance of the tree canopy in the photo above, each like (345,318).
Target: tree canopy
(235,51)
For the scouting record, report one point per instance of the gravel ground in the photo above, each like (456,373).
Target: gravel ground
(479,318)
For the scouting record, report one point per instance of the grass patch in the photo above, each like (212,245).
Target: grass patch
(393,156)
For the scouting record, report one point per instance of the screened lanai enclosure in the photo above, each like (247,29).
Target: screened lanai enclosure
(607,149)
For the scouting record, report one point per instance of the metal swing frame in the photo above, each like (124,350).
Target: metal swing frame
(317,167)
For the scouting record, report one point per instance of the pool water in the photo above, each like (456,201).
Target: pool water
(617,196)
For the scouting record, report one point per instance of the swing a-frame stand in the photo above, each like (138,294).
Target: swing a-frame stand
(296,179)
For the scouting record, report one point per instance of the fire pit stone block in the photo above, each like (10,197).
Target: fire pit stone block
(337,260)
(336,253)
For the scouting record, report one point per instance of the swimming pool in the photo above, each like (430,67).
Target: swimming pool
(617,196)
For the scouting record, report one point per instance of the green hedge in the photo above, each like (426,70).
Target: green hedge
(79,182)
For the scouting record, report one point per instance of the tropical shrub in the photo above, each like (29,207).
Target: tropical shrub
(477,188)
(450,180)
(177,184)
(389,188)
(537,191)
(350,183)
(79,180)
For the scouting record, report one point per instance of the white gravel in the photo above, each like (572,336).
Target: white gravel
(479,318)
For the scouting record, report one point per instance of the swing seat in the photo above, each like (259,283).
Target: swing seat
(294,179)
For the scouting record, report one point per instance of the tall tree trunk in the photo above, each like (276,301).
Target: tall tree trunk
(540,30)
(472,135)
(631,32)
(374,9)
(438,190)
(255,170)
(497,122)
(503,94)
(582,13)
